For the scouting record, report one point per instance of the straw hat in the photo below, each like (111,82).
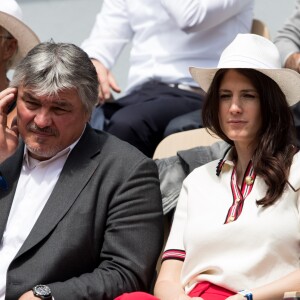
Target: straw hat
(254,52)
(11,20)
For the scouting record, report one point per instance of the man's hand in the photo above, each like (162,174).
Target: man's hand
(293,62)
(107,82)
(28,296)
(8,136)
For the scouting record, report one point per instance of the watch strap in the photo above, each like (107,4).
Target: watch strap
(247,294)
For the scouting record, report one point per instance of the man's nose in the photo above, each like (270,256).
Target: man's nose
(42,119)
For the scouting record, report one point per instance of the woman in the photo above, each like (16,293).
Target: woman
(235,233)
(236,225)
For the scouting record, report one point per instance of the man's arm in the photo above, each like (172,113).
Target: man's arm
(132,241)
(195,15)
(288,40)
(110,33)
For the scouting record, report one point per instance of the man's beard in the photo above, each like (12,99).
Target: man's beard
(50,151)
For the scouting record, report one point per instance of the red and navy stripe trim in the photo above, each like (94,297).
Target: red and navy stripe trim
(239,195)
(173,254)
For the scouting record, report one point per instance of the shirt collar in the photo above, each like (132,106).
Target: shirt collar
(226,163)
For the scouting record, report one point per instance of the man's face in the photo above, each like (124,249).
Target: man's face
(49,124)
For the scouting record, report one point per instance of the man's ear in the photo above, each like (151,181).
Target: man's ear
(10,48)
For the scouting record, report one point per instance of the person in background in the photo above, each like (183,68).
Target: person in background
(81,212)
(16,39)
(288,40)
(165,41)
(288,44)
(235,233)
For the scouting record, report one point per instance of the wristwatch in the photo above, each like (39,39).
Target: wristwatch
(42,291)
(247,294)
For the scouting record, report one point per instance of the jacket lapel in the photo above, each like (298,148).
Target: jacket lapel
(9,172)
(77,171)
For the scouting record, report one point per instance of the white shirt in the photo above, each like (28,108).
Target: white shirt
(36,183)
(167,36)
(261,246)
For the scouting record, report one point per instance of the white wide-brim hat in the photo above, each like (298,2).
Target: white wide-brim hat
(11,20)
(254,52)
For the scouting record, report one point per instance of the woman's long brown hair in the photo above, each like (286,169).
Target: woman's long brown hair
(273,156)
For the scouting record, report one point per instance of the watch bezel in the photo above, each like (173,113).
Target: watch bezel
(42,291)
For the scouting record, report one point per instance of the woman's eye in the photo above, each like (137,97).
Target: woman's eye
(224,96)
(249,96)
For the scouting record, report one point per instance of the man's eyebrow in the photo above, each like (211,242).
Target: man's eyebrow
(30,96)
(61,102)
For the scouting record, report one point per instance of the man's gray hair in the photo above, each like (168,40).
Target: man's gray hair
(50,68)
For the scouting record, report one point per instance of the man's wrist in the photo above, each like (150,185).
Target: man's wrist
(42,291)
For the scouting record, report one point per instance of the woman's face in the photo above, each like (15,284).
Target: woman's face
(239,108)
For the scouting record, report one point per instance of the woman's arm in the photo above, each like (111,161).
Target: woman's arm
(276,289)
(168,286)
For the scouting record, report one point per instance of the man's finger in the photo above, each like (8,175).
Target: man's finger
(113,83)
(7,97)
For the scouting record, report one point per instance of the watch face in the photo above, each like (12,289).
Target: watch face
(42,290)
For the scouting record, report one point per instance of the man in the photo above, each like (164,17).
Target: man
(80,213)
(166,40)
(16,39)
(288,40)
(288,44)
